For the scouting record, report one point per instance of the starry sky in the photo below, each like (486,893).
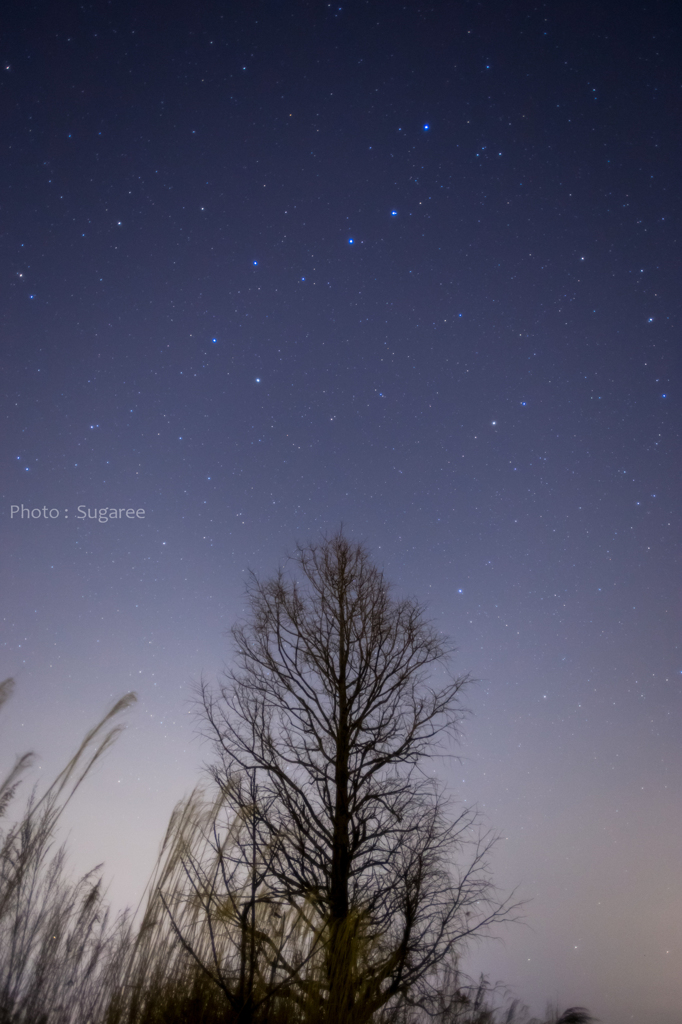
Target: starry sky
(272,267)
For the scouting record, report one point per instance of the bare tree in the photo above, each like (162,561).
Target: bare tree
(330,708)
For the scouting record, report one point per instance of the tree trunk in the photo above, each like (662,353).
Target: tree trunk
(340,972)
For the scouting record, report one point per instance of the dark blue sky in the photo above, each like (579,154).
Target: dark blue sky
(271,267)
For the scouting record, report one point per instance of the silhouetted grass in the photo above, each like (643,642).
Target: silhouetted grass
(54,933)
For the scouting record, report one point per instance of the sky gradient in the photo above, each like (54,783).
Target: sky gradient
(273,267)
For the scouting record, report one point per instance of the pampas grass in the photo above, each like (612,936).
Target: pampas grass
(54,932)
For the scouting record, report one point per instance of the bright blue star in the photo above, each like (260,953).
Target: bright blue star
(394,213)
(255,263)
(426,127)
(350,241)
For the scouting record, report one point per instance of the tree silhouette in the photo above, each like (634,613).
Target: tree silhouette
(331,710)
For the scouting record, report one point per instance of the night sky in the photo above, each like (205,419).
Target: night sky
(272,267)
